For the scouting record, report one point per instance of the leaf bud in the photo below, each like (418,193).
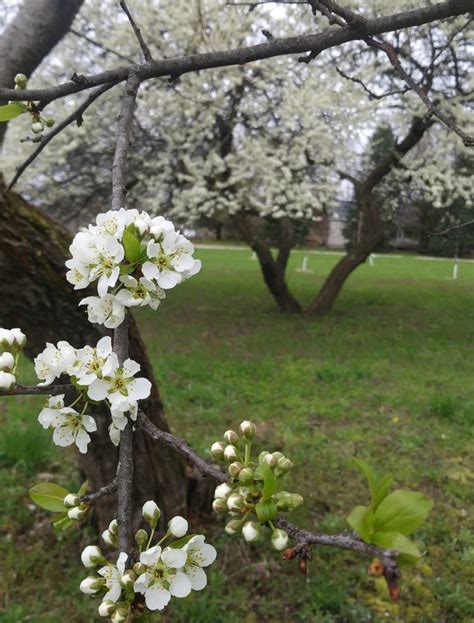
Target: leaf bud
(279,539)
(266,511)
(231,437)
(247,429)
(230,453)
(235,469)
(251,531)
(217,450)
(376,569)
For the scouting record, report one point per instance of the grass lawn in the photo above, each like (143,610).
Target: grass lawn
(388,376)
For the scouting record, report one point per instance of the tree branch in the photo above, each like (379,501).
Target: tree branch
(91,498)
(145,49)
(36,390)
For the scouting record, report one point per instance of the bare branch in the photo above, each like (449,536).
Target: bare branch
(101,46)
(145,49)
(91,498)
(75,116)
(448,230)
(37,390)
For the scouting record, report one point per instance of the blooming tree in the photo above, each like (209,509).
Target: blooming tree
(133,258)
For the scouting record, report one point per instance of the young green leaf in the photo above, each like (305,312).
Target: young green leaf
(83,489)
(383,487)
(361,521)
(378,487)
(62,522)
(269,482)
(182,541)
(409,553)
(402,511)
(12,110)
(266,511)
(49,496)
(131,245)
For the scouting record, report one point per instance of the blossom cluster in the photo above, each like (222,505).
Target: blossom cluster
(98,376)
(133,257)
(162,571)
(12,342)
(251,495)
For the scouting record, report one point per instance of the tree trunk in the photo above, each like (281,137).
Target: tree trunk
(36,297)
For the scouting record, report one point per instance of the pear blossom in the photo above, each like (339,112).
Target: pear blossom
(7,362)
(90,361)
(69,425)
(169,260)
(54,361)
(106,310)
(163,577)
(178,526)
(151,512)
(251,531)
(48,413)
(7,380)
(91,585)
(12,339)
(139,292)
(92,556)
(199,554)
(113,576)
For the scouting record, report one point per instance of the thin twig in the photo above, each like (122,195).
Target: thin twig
(75,116)
(448,230)
(91,498)
(145,49)
(36,390)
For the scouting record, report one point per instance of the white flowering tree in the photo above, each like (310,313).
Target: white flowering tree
(132,259)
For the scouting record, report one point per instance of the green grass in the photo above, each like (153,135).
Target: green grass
(387,377)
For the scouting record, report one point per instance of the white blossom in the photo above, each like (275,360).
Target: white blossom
(106,310)
(113,576)
(7,380)
(54,361)
(199,554)
(178,526)
(69,425)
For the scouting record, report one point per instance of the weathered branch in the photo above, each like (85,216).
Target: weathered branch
(138,34)
(90,498)
(37,390)
(45,140)
(317,43)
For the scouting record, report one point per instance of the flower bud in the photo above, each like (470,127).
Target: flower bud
(233,526)
(50,122)
(246,475)
(279,539)
(77,513)
(109,538)
(128,579)
(271,460)
(151,512)
(7,339)
(107,608)
(113,527)
(247,429)
(19,338)
(262,455)
(91,585)
(71,500)
(219,506)
(223,491)
(231,437)
(21,81)
(36,127)
(217,450)
(235,468)
(121,614)
(139,568)
(284,464)
(7,362)
(141,538)
(230,453)
(178,526)
(7,380)
(376,569)
(235,503)
(92,556)
(251,531)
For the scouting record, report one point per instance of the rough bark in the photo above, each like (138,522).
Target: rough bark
(34,31)
(36,297)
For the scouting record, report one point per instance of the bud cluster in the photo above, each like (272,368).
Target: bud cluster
(12,342)
(161,572)
(38,123)
(251,495)
(75,508)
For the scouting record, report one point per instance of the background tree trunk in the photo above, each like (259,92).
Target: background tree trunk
(36,297)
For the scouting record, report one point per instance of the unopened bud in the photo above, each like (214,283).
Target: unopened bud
(219,506)
(230,453)
(121,614)
(128,579)
(178,526)
(231,437)
(92,556)
(19,338)
(233,526)
(235,469)
(151,512)
(217,450)
(50,122)
(235,503)
(262,455)
(77,513)
(271,460)
(284,464)
(7,362)
(376,569)
(246,475)
(109,538)
(141,538)
(223,491)
(21,81)
(279,539)
(251,531)
(7,380)
(113,527)
(71,500)
(91,585)
(107,608)
(139,568)
(247,429)
(36,127)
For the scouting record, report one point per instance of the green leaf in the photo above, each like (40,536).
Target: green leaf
(383,487)
(182,541)
(131,245)
(49,496)
(402,511)
(369,473)
(12,110)
(127,269)
(266,511)
(378,487)
(269,482)
(62,522)
(409,553)
(361,521)
(83,488)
